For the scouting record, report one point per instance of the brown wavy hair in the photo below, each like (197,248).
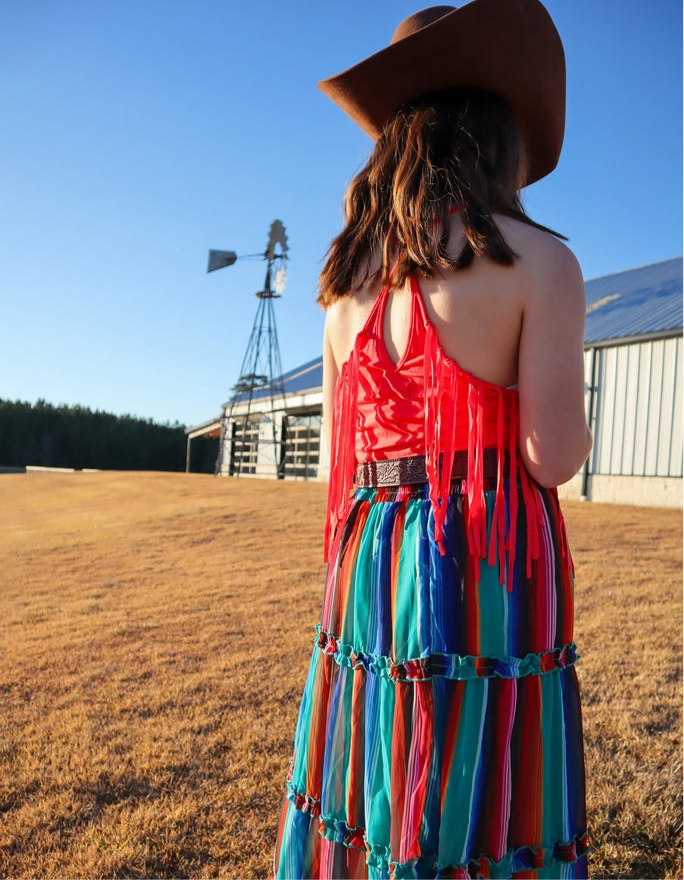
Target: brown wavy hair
(452,149)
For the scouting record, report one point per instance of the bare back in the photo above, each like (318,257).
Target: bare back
(522,324)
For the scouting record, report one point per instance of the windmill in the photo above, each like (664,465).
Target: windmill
(253,425)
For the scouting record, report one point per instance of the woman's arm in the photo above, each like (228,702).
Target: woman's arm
(330,374)
(554,437)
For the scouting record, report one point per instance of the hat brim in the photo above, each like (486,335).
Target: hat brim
(509,47)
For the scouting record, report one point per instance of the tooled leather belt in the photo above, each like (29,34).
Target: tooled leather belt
(411,470)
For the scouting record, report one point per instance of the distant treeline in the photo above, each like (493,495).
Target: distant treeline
(77,437)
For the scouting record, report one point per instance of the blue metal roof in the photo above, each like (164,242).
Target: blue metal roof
(307,377)
(637,302)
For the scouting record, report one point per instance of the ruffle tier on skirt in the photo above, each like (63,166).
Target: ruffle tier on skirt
(440,730)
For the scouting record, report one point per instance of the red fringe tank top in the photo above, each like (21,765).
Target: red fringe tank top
(425,404)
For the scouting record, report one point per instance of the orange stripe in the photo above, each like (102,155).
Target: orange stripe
(347,562)
(319,722)
(398,770)
(356,751)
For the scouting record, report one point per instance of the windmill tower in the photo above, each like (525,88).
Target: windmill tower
(254,423)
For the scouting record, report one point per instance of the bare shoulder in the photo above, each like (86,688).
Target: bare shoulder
(345,312)
(548,266)
(344,318)
(338,313)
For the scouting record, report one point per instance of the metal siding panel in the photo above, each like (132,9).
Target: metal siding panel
(597,426)
(677,445)
(618,440)
(608,398)
(654,404)
(675,467)
(639,353)
(641,420)
(667,407)
(632,373)
(589,403)
(587,384)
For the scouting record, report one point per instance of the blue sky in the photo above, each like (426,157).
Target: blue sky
(137,134)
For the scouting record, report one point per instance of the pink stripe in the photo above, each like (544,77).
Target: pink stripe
(418,773)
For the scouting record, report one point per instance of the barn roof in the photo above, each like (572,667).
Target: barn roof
(637,302)
(307,377)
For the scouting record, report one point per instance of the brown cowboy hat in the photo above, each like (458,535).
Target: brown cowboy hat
(509,47)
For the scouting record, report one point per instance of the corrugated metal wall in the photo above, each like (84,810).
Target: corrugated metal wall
(637,408)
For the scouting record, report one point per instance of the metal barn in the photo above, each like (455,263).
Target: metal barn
(271,435)
(633,377)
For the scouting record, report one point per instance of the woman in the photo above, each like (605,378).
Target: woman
(440,730)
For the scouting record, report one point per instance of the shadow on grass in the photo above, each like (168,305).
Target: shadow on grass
(640,869)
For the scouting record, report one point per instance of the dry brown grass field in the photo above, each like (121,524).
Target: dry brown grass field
(155,633)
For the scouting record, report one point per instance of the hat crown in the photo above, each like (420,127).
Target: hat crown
(508,47)
(419,20)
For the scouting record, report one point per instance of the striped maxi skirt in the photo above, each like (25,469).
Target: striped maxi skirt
(440,730)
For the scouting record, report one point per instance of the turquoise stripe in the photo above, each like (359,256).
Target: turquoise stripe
(355,621)
(378,805)
(304,723)
(407,634)
(555,824)
(493,600)
(293,842)
(333,790)
(372,758)
(425,585)
(460,792)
